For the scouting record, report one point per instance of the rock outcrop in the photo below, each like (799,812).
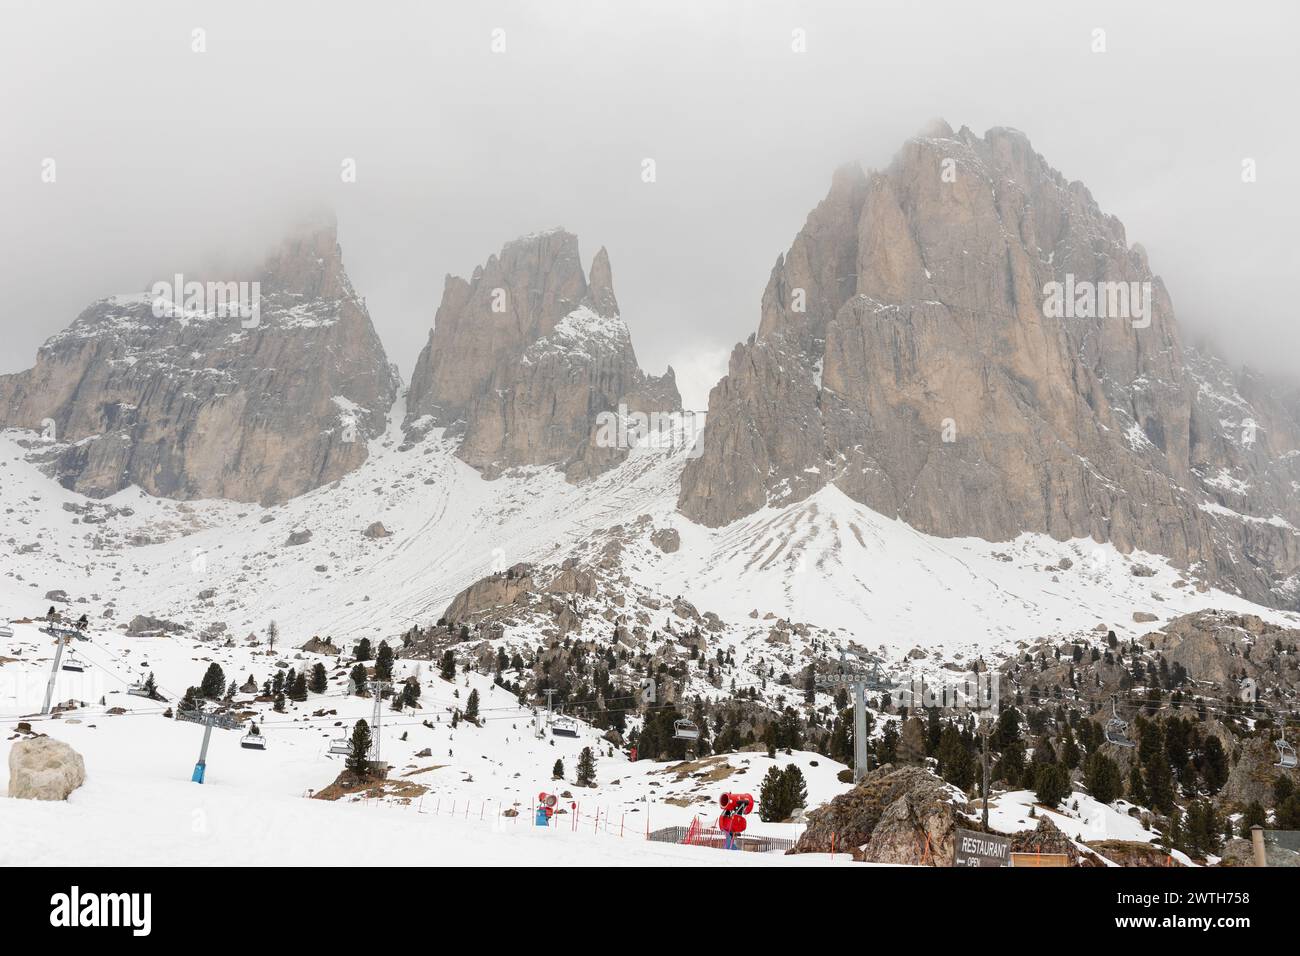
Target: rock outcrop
(908,354)
(525,355)
(1253,776)
(203,401)
(42,768)
(1221,648)
(895,815)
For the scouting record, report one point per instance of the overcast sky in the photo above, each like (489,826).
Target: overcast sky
(165,158)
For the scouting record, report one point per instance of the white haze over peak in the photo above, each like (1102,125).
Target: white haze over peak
(172,160)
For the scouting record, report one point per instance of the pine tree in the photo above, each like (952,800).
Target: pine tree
(358,676)
(319,679)
(1203,828)
(586,768)
(362,653)
(1101,774)
(411,693)
(447,670)
(298,691)
(1214,766)
(213,684)
(956,765)
(772,798)
(1052,784)
(272,635)
(1070,755)
(887,752)
(1137,790)
(796,789)
(359,749)
(471,707)
(557,772)
(1253,816)
(151,687)
(384,662)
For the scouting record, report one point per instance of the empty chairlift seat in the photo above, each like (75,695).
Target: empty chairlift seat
(1286,756)
(1117,728)
(685,730)
(564,727)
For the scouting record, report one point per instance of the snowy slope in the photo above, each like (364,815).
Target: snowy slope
(849,573)
(827,560)
(139,805)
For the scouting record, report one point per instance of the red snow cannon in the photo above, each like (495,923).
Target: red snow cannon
(735,806)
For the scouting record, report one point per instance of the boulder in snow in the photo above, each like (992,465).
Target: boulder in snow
(42,768)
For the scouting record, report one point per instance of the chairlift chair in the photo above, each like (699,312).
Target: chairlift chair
(73,664)
(137,688)
(253,741)
(1286,756)
(564,727)
(1117,729)
(340,745)
(6,631)
(685,730)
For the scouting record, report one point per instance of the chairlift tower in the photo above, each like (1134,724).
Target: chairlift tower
(208,719)
(60,639)
(856,675)
(377,688)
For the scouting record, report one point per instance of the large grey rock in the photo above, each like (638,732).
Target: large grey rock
(196,405)
(1253,777)
(903,355)
(42,768)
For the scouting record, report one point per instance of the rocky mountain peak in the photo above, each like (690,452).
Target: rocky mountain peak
(600,290)
(309,262)
(909,354)
(255,388)
(524,356)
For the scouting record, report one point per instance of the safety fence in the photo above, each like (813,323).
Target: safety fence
(717,839)
(509,812)
(572,817)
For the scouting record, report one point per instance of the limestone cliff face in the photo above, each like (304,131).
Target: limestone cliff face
(192,404)
(905,354)
(524,357)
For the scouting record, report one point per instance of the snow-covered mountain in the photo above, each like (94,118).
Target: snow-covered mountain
(915,351)
(1104,491)
(253,391)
